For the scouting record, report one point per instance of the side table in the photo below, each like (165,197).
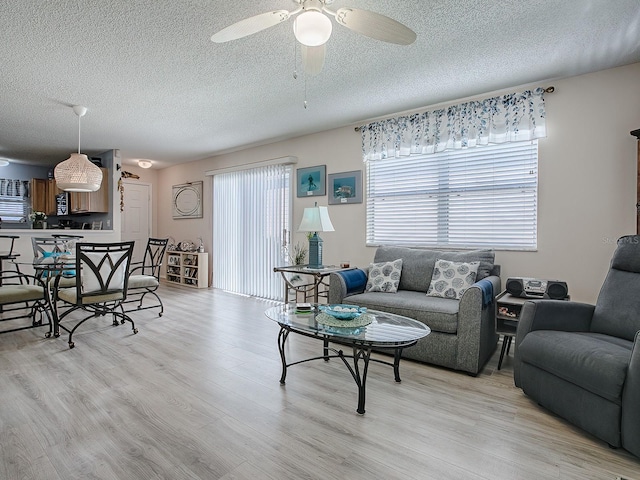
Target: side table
(508,312)
(507,316)
(312,287)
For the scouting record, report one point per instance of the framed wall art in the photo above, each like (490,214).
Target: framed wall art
(345,187)
(187,200)
(311,181)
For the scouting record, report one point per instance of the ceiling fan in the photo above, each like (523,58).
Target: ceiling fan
(312,28)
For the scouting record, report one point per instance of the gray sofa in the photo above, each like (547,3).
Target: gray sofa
(582,361)
(462,331)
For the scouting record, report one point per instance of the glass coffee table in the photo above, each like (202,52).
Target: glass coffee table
(372,330)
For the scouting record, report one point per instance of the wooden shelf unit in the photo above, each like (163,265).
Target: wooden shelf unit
(188,268)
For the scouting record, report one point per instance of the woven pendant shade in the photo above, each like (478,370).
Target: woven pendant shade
(78,174)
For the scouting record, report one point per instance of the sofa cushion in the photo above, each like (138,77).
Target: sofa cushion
(595,362)
(451,279)
(439,314)
(384,276)
(418,264)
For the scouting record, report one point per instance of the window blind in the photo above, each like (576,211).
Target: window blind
(251,219)
(479,197)
(14,200)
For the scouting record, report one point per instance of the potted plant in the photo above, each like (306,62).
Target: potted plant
(38,219)
(299,254)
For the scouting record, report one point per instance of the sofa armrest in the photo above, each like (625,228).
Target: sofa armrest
(346,283)
(558,315)
(476,328)
(630,401)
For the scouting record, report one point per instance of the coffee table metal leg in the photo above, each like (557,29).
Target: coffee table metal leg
(282,339)
(325,349)
(360,379)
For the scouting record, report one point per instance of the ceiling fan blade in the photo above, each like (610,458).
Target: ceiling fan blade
(313,59)
(375,26)
(250,25)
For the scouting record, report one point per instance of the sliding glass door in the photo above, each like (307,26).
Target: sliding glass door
(251,224)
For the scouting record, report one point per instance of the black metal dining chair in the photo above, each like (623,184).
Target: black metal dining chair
(51,247)
(7,252)
(102,273)
(144,277)
(24,297)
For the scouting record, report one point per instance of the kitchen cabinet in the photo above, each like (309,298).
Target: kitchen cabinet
(43,195)
(92,202)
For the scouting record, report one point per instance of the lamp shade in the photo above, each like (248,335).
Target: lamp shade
(316,219)
(312,28)
(78,174)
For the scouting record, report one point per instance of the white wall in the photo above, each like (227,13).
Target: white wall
(587,184)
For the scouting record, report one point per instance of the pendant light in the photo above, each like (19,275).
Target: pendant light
(77,173)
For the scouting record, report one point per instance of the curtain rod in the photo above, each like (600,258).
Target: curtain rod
(550,89)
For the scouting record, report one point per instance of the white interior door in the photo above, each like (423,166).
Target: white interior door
(136,217)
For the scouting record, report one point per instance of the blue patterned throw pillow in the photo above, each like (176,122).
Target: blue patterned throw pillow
(451,279)
(384,277)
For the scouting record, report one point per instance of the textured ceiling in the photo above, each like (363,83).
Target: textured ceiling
(156,87)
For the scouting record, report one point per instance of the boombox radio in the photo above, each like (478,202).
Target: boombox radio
(536,288)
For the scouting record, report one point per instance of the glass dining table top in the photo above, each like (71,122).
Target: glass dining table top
(381,329)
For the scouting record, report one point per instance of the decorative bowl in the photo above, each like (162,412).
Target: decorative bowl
(343,312)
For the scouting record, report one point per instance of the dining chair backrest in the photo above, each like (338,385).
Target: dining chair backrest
(6,251)
(104,271)
(7,244)
(153,255)
(50,246)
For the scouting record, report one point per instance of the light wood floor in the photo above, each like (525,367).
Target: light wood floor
(195,395)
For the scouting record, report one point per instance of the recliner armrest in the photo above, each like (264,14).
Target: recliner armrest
(554,315)
(559,315)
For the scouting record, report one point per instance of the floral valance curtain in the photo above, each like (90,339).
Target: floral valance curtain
(508,118)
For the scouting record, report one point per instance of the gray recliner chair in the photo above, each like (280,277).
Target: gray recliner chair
(582,361)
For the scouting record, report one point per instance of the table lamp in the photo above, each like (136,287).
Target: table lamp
(315,219)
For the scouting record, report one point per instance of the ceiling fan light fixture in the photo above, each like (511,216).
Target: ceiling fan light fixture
(312,28)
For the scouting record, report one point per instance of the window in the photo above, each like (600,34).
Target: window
(14,202)
(478,197)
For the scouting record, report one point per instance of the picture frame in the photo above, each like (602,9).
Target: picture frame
(311,181)
(173,260)
(187,200)
(345,187)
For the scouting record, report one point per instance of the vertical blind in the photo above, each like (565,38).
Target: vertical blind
(477,197)
(251,217)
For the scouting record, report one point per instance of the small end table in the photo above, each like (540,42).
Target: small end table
(311,288)
(507,316)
